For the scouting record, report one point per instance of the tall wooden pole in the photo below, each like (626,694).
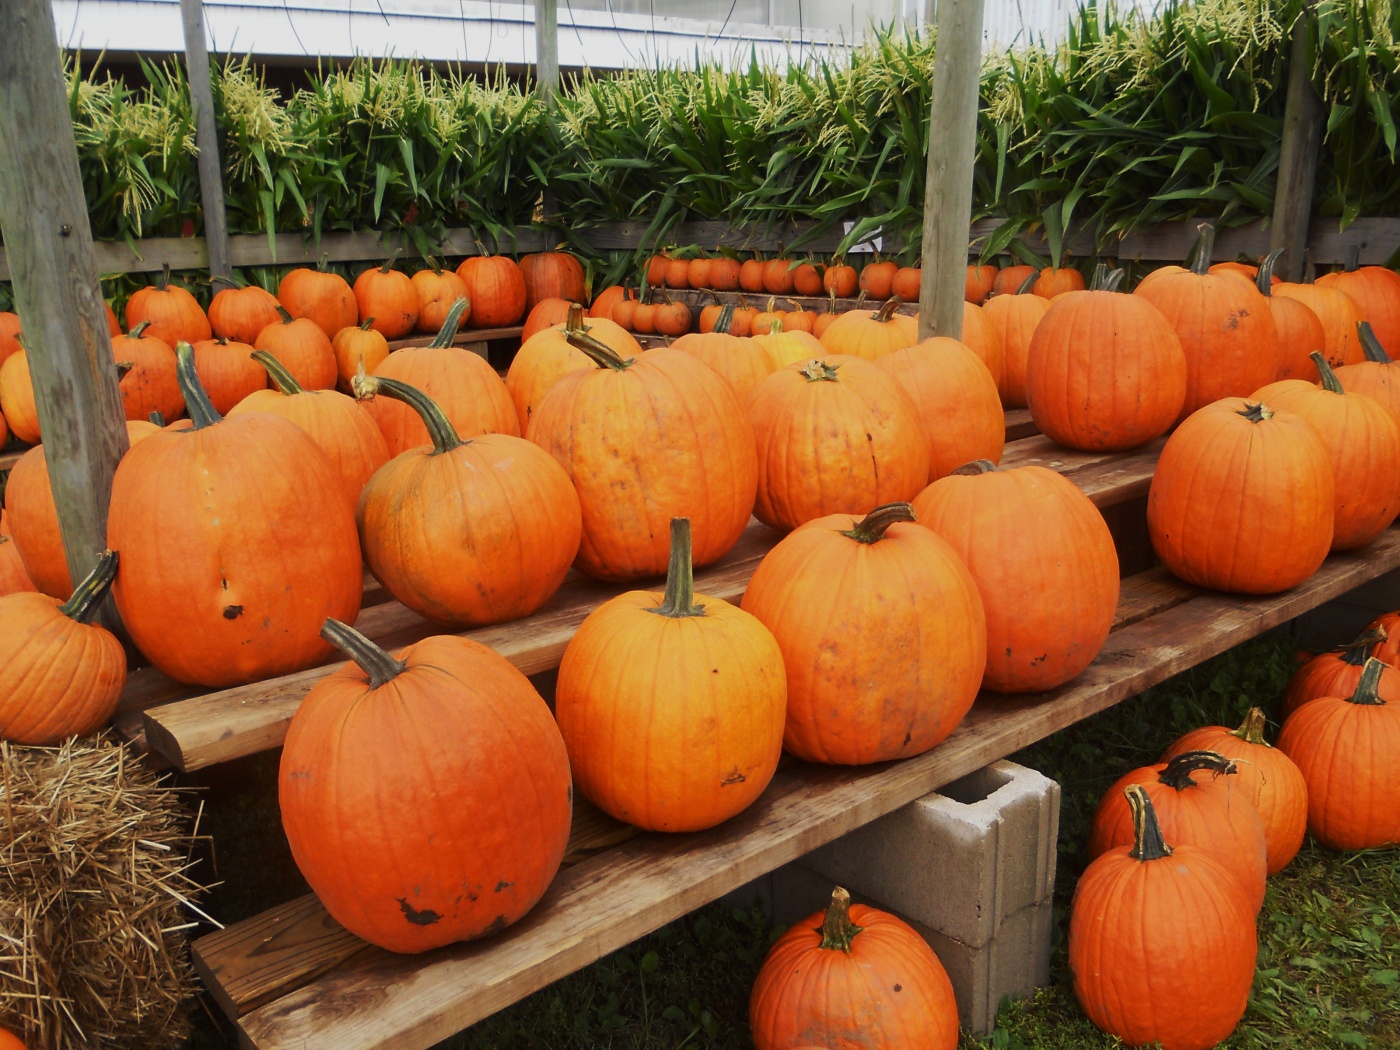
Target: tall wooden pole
(206,137)
(1303,122)
(57,294)
(547,69)
(952,147)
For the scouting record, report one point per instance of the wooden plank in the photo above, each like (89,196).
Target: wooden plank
(466,337)
(1019,424)
(211,180)
(9,458)
(1105,477)
(407,1002)
(1304,118)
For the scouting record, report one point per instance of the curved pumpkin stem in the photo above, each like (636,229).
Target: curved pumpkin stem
(366,324)
(1251,730)
(679,601)
(1368,689)
(231,281)
(323,263)
(1205,248)
(574,319)
(1353,262)
(886,312)
(202,410)
(1330,382)
(725,319)
(1178,772)
(977,466)
(1358,651)
(1257,413)
(1264,279)
(281,378)
(597,351)
(389,262)
(139,331)
(818,371)
(1106,280)
(282,312)
(871,528)
(450,324)
(440,429)
(88,595)
(1148,843)
(157,417)
(1028,283)
(381,667)
(163,281)
(1371,345)
(775,327)
(838,931)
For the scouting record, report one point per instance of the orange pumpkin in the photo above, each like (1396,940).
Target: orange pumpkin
(806,280)
(544,314)
(547,356)
(977,337)
(778,277)
(743,363)
(428,850)
(765,319)
(798,320)
(236,541)
(877,279)
(1056,280)
(17,402)
(644,316)
(856,979)
(303,347)
(624,311)
(146,366)
(437,290)
(356,349)
(871,334)
(553,275)
(607,299)
(1378,377)
(840,281)
(724,274)
(751,274)
(387,300)
(9,330)
(1376,292)
(14,577)
(1338,672)
(324,298)
(698,273)
(978,283)
(744,316)
(672,318)
(656,270)
(1246,270)
(239,314)
(1012,321)
(227,371)
(1338,314)
(836,593)
(113,328)
(467,532)
(784,348)
(172,313)
(677,273)
(495,290)
(1299,330)
(1387,648)
(672,705)
(907,284)
(60,674)
(1011,278)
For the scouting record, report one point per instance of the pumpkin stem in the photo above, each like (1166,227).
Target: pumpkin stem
(1148,843)
(775,326)
(1358,651)
(281,378)
(163,281)
(1251,730)
(443,434)
(1106,280)
(1367,690)
(573,320)
(679,600)
(434,264)
(818,371)
(139,331)
(886,312)
(287,318)
(1028,283)
(597,351)
(157,417)
(389,262)
(448,331)
(871,528)
(324,262)
(1353,262)
(1264,279)
(1371,345)
(1257,413)
(725,320)
(838,931)
(1330,382)
(1205,247)
(88,595)
(234,281)
(977,466)
(366,324)
(381,667)
(202,410)
(1178,772)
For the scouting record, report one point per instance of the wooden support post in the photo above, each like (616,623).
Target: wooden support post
(1303,123)
(57,294)
(206,137)
(547,69)
(952,146)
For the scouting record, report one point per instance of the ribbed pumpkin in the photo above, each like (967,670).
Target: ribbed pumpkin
(60,674)
(835,435)
(1105,372)
(1378,377)
(644,315)
(956,398)
(852,978)
(1376,292)
(355,349)
(1269,484)
(798,319)
(1011,323)
(672,705)
(743,363)
(467,532)
(1010,278)
(977,337)
(978,283)
(1362,440)
(1337,673)
(698,273)
(172,312)
(544,314)
(146,365)
(656,270)
(607,299)
(768,320)
(546,357)
(463,384)
(777,277)
(907,284)
(677,273)
(750,275)
(303,347)
(496,289)
(1267,777)
(324,298)
(877,279)
(785,348)
(1299,330)
(871,334)
(840,280)
(387,299)
(724,274)
(645,440)
(1197,803)
(552,275)
(1338,314)
(882,634)
(9,329)
(437,290)
(1050,592)
(339,424)
(236,542)
(14,577)
(239,314)
(744,315)
(806,280)
(227,371)
(1387,648)
(1226,329)
(1348,749)
(17,402)
(1162,943)
(448,836)
(1056,280)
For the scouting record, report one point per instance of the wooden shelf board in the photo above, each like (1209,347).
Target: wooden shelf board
(465,337)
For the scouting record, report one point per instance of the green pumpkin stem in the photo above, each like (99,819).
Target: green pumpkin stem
(201,409)
(323,264)
(838,931)
(281,378)
(287,318)
(1251,730)
(139,331)
(573,321)
(1257,413)
(819,371)
(88,595)
(725,319)
(886,312)
(1264,279)
(1178,772)
(381,667)
(1148,843)
(775,327)
(443,434)
(157,417)
(1368,689)
(1029,282)
(1353,262)
(1358,651)
(367,324)
(871,528)
(977,466)
(1205,248)
(679,600)
(1330,382)
(448,331)
(389,262)
(1371,345)
(1106,280)
(597,351)
(163,281)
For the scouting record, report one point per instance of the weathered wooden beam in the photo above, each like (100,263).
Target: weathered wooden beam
(1303,122)
(952,150)
(547,48)
(56,289)
(206,137)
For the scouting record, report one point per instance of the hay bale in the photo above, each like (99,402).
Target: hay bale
(95,896)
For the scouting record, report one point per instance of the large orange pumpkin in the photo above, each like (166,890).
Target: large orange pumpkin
(1378,377)
(544,314)
(1162,943)
(852,978)
(546,356)
(60,674)
(871,334)
(672,705)
(303,347)
(437,290)
(1268,482)
(239,314)
(1011,322)
(1299,330)
(882,634)
(647,439)
(356,349)
(324,298)
(1348,749)
(1267,777)
(387,299)
(172,313)
(146,366)
(835,435)
(1050,593)
(1338,314)
(467,532)
(1337,673)
(553,275)
(227,371)
(1376,292)
(236,541)
(449,835)
(496,289)
(743,363)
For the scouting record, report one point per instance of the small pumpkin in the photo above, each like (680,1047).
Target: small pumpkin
(303,347)
(764,320)
(840,280)
(547,356)
(1376,292)
(785,347)
(607,299)
(437,290)
(146,366)
(320,296)
(1010,278)
(778,277)
(698,273)
(877,279)
(17,403)
(172,314)
(228,372)
(1299,330)
(908,283)
(1012,321)
(544,314)
(724,274)
(357,349)
(238,314)
(387,299)
(673,318)
(656,270)
(743,363)
(1378,377)
(1388,647)
(978,283)
(1337,673)
(552,275)
(751,273)
(871,334)
(806,280)
(677,273)
(495,290)
(1056,280)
